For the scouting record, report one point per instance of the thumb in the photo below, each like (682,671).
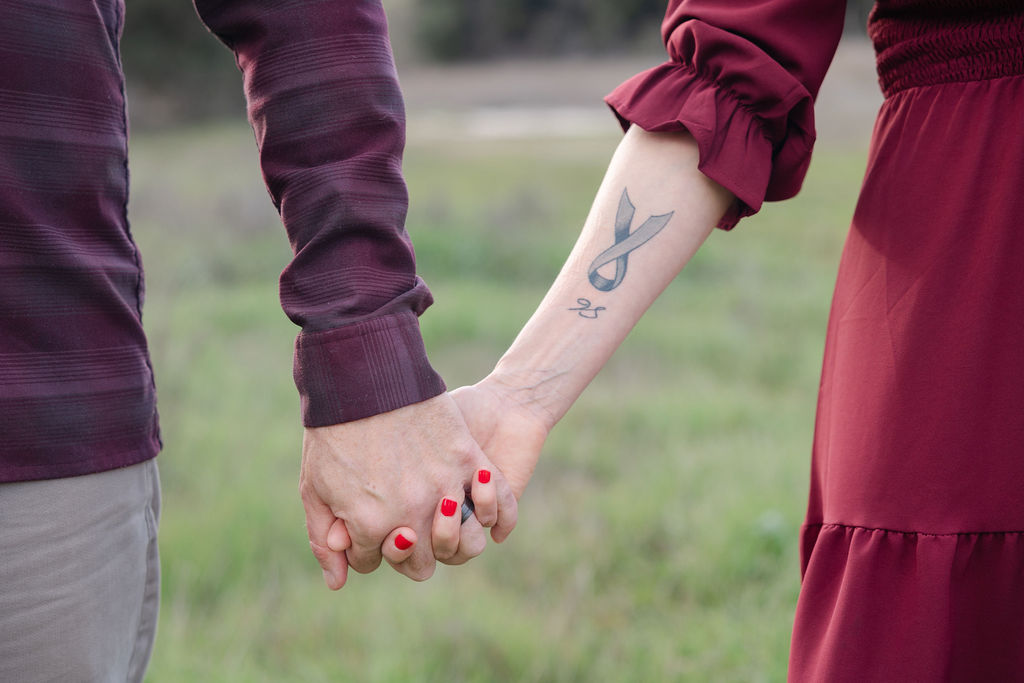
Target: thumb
(338,539)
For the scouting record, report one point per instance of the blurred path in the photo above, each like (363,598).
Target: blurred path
(562,98)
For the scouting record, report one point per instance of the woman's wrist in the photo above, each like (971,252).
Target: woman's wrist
(534,392)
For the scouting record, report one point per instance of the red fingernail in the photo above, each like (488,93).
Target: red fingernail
(483,476)
(448,507)
(402,543)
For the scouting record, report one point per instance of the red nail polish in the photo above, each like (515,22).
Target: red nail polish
(448,507)
(483,476)
(402,543)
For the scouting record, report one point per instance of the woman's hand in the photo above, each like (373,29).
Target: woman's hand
(508,428)
(511,433)
(652,212)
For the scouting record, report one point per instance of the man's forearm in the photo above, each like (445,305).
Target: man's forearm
(652,212)
(325,104)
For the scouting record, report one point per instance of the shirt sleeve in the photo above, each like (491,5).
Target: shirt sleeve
(325,105)
(741,77)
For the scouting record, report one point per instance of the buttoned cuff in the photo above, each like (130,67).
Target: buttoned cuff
(363,369)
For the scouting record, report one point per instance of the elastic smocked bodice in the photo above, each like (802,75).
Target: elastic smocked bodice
(928,42)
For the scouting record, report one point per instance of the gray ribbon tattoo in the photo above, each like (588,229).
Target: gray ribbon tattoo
(625,242)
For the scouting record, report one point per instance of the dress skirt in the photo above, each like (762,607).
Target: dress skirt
(913,549)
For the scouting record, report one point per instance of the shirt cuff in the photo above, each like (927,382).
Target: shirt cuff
(363,369)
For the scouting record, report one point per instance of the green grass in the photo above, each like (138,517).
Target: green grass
(658,540)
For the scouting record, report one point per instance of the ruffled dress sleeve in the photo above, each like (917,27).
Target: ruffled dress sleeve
(741,77)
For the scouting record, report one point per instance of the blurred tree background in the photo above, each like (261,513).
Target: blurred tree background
(178,71)
(473,29)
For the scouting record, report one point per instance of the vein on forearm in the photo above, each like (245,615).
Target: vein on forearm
(539,391)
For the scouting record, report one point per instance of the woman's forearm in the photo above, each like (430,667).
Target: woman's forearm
(652,212)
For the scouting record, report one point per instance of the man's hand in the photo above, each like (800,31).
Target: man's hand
(382,477)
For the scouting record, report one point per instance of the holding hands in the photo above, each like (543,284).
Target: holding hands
(476,438)
(364,481)
(381,487)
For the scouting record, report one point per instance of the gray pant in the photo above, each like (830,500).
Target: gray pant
(79,576)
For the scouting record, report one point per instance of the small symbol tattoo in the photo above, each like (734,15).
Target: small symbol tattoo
(586,309)
(625,242)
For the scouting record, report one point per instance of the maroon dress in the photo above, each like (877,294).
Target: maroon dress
(913,548)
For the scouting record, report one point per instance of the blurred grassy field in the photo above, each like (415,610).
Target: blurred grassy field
(659,538)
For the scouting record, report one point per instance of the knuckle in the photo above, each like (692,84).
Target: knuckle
(319,552)
(508,498)
(306,490)
(374,528)
(509,515)
(363,565)
(503,531)
(455,560)
(423,574)
(474,545)
(511,521)
(484,494)
(366,534)
(418,572)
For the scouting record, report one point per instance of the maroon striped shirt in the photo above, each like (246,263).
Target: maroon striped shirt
(76,388)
